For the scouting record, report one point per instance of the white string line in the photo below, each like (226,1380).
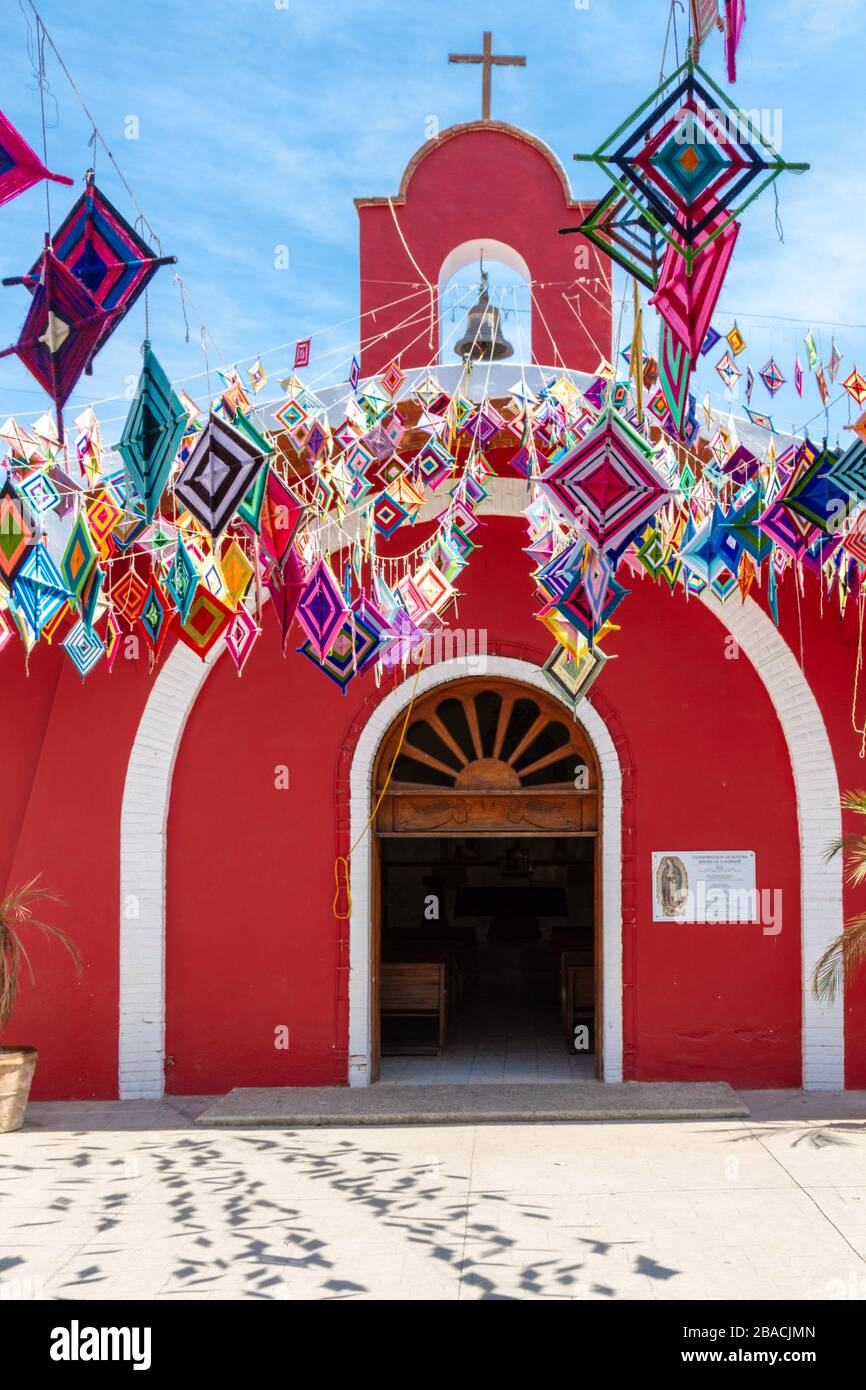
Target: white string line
(352,350)
(417,316)
(77,492)
(428,367)
(602,305)
(116,418)
(364,506)
(98,134)
(556,352)
(196,376)
(797,430)
(735,314)
(420,313)
(525,421)
(145,220)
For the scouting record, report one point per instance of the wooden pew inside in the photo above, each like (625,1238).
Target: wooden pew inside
(413,1000)
(449,948)
(577,987)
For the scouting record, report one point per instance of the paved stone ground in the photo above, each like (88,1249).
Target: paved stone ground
(132,1201)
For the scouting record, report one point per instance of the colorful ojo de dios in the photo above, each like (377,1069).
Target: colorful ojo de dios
(20,167)
(687,154)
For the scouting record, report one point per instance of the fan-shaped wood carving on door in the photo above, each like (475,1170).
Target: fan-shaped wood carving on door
(487,757)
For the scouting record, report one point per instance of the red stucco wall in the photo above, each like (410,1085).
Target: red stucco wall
(252,942)
(68,830)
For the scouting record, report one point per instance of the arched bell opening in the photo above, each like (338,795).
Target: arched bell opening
(485,304)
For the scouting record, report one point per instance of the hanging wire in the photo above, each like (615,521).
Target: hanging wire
(779,229)
(36,55)
(96,132)
(671,26)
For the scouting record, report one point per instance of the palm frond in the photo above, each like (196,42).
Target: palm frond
(854,801)
(57,934)
(842,845)
(10,966)
(16,911)
(841,961)
(855,865)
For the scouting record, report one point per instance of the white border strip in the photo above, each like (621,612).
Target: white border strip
(361,790)
(143,822)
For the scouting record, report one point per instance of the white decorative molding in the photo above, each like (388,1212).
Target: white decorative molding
(361,786)
(819,819)
(482,249)
(147,794)
(143,822)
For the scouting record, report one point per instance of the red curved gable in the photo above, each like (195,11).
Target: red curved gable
(483,180)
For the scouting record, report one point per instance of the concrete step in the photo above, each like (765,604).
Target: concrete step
(303,1107)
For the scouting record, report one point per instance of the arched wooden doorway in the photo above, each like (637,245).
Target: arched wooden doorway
(487,759)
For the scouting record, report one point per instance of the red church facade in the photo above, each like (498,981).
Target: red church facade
(193,822)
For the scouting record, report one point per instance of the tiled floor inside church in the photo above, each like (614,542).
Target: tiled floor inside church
(508,1029)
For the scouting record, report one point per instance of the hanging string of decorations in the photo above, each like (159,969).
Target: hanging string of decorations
(200,514)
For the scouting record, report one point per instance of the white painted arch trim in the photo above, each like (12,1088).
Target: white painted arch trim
(471,252)
(147,794)
(361,790)
(143,825)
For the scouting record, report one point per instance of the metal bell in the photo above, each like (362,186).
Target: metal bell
(483,340)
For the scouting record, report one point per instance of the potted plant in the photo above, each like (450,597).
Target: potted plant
(17,1064)
(845,956)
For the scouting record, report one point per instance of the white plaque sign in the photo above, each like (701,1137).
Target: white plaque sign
(705,886)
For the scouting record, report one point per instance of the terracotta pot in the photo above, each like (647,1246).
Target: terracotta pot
(17,1065)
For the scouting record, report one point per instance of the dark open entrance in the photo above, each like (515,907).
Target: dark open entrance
(487,958)
(486,951)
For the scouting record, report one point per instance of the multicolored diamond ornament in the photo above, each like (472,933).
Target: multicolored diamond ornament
(361,639)
(152,434)
(61,331)
(687,153)
(16,532)
(280,517)
(221,468)
(182,581)
(79,557)
(96,243)
(321,608)
(607,483)
(39,590)
(83,647)
(20,167)
(675,366)
(242,634)
(206,622)
(686,300)
(155,617)
(772,377)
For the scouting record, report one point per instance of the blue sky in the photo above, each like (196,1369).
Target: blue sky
(259,121)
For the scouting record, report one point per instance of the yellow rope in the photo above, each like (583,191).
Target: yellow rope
(857,669)
(342,863)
